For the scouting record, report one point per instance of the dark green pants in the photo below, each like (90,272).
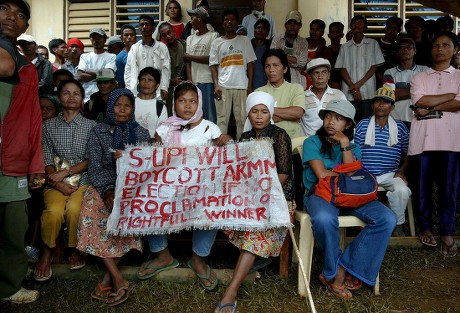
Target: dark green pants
(13,259)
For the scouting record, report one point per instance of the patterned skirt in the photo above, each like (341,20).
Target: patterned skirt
(264,243)
(92,234)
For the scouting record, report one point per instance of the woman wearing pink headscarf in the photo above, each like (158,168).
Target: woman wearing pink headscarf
(186,127)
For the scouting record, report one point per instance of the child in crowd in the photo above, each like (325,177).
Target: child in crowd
(150,109)
(186,127)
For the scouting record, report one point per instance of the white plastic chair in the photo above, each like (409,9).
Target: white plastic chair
(305,232)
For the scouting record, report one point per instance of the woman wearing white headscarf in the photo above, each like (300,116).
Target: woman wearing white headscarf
(259,124)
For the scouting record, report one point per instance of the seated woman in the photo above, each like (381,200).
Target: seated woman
(259,110)
(119,129)
(343,271)
(65,139)
(186,127)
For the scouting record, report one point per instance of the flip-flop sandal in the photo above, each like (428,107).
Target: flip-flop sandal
(431,240)
(44,278)
(339,291)
(221,306)
(74,267)
(101,289)
(157,269)
(123,298)
(449,250)
(206,276)
(352,285)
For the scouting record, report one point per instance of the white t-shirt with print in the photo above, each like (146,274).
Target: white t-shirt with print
(200,45)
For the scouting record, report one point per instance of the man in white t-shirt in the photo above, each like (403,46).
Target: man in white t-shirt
(196,56)
(93,62)
(231,60)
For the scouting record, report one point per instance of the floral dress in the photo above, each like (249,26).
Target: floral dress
(92,234)
(269,242)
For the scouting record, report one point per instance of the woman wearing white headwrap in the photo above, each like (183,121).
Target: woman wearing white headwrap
(259,124)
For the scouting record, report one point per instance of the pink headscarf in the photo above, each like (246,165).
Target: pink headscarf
(177,124)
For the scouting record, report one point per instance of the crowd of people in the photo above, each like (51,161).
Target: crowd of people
(392,103)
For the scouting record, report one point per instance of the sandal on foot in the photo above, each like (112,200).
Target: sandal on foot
(221,306)
(122,298)
(102,290)
(157,269)
(206,276)
(449,250)
(339,291)
(352,283)
(427,239)
(76,262)
(42,267)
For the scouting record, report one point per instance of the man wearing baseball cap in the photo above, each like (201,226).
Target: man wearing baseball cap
(95,108)
(318,95)
(196,55)
(295,47)
(399,78)
(384,143)
(44,67)
(91,63)
(22,163)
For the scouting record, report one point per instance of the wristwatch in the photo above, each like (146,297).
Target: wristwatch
(347,148)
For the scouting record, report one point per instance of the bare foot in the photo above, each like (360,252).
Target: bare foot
(76,260)
(448,246)
(426,237)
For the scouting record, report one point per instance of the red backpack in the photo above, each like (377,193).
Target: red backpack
(348,191)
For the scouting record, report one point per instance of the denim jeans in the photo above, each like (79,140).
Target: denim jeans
(363,257)
(202,241)
(209,107)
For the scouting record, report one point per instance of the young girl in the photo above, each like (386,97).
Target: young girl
(343,271)
(259,111)
(150,111)
(186,127)
(174,12)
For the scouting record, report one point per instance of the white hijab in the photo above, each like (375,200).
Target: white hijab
(255,98)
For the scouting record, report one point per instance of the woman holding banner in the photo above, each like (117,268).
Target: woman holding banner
(259,124)
(105,144)
(186,127)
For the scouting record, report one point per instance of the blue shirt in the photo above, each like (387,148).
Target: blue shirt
(312,151)
(120,61)
(381,158)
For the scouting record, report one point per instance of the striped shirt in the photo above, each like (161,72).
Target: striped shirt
(397,77)
(381,158)
(68,140)
(357,59)
(438,134)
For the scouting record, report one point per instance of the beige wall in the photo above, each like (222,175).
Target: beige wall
(327,10)
(47,16)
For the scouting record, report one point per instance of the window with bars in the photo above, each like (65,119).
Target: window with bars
(377,11)
(109,15)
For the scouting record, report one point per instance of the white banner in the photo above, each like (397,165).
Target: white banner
(163,189)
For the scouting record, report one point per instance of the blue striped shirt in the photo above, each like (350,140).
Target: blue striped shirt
(381,158)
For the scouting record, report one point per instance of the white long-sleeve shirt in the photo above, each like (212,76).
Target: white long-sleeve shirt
(140,56)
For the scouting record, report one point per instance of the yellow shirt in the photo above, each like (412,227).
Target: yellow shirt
(287,95)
